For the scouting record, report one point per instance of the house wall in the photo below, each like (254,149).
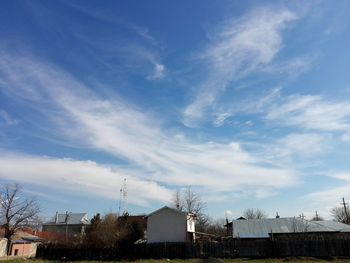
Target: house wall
(24,250)
(61,228)
(167,226)
(3,243)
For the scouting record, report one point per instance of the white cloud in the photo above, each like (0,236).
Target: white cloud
(140,55)
(332,196)
(341,176)
(159,72)
(242,46)
(6,119)
(85,119)
(291,68)
(300,144)
(346,137)
(108,16)
(121,53)
(220,119)
(85,177)
(264,193)
(311,112)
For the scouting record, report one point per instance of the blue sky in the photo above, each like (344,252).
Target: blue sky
(247,102)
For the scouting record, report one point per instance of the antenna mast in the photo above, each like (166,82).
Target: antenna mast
(123,199)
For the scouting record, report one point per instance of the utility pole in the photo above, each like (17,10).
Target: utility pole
(316,217)
(346,211)
(66,221)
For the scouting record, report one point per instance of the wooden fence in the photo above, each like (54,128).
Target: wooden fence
(235,248)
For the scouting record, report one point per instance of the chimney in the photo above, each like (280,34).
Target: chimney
(56,218)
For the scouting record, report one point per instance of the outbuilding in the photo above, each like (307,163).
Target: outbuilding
(170,225)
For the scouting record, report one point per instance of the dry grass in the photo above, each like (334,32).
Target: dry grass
(213,260)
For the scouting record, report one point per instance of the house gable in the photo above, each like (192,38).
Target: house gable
(167,225)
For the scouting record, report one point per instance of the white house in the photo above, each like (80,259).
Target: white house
(170,225)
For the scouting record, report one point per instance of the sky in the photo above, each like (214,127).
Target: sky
(246,102)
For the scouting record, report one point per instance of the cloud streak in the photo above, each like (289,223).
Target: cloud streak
(331,197)
(241,47)
(84,118)
(84,177)
(311,112)
(6,119)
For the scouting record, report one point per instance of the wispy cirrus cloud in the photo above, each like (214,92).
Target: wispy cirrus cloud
(122,54)
(159,72)
(297,146)
(346,137)
(311,112)
(6,119)
(81,116)
(107,16)
(119,46)
(239,49)
(331,196)
(314,113)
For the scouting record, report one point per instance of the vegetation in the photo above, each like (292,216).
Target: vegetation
(238,260)
(16,210)
(111,231)
(190,202)
(340,214)
(251,213)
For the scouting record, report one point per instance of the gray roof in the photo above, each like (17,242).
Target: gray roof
(166,208)
(261,228)
(73,219)
(331,225)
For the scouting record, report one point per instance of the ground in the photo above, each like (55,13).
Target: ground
(290,260)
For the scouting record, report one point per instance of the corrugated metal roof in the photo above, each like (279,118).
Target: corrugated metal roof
(261,228)
(73,219)
(331,225)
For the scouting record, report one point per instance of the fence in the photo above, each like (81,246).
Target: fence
(231,249)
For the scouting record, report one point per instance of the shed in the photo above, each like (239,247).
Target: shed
(170,225)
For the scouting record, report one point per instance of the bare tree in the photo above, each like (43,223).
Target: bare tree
(251,213)
(15,209)
(178,201)
(34,223)
(339,214)
(190,202)
(216,227)
(193,203)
